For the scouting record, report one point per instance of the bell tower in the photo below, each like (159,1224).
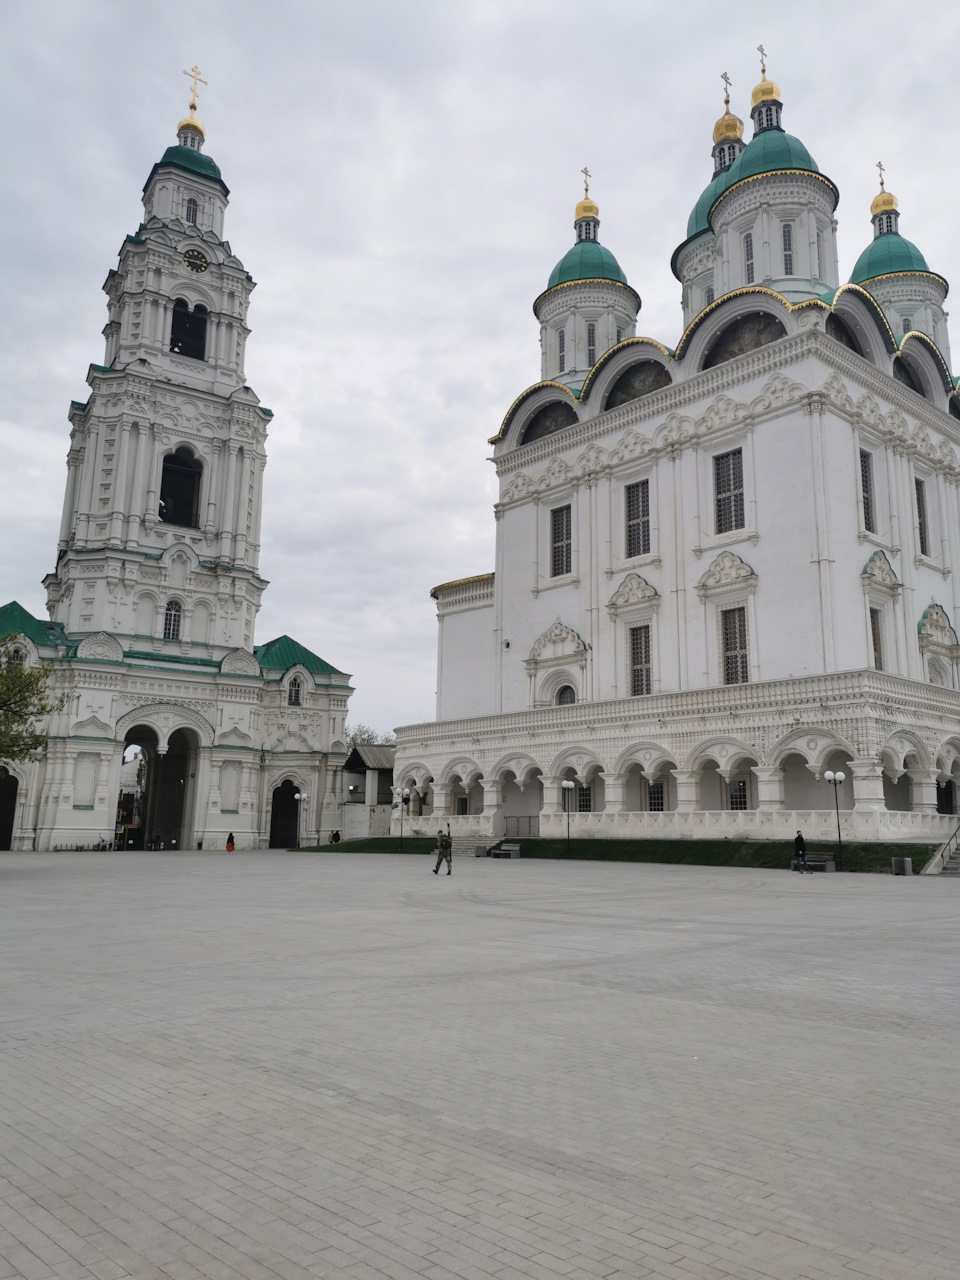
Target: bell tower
(160,535)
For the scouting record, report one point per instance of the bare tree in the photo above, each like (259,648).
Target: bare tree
(361,733)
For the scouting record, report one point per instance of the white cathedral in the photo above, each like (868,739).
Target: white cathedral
(157,585)
(723,567)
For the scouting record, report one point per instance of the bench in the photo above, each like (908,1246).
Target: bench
(505,851)
(816,862)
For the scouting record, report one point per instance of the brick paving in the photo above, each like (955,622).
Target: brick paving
(281,1065)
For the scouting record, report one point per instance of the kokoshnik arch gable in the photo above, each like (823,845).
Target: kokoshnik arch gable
(724,567)
(157,585)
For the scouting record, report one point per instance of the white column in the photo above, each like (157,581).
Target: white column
(69,499)
(614,785)
(240,541)
(229,502)
(552,796)
(688,798)
(867,786)
(923,790)
(139,497)
(769,786)
(151,506)
(120,486)
(371,787)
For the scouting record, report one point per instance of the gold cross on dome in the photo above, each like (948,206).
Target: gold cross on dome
(763,60)
(195,76)
(726,87)
(586,181)
(880,167)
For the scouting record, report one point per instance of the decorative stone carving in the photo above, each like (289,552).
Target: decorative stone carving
(101,647)
(878,574)
(725,572)
(239,662)
(558,643)
(633,590)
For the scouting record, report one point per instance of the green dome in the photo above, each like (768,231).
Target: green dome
(699,219)
(768,151)
(888,255)
(587,260)
(195,161)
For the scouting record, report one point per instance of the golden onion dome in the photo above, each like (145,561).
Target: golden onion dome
(765,91)
(729,128)
(586,209)
(883,203)
(191,122)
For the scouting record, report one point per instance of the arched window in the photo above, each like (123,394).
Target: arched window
(561,350)
(748,333)
(907,324)
(591,345)
(748,256)
(565,696)
(171,620)
(180,489)
(191,210)
(17,656)
(188,330)
(708,297)
(787,232)
(619,335)
(552,417)
(293,693)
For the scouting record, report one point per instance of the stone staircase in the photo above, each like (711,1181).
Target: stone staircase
(467,846)
(951,865)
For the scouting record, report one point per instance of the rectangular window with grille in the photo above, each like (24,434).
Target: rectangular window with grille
(728,490)
(922,527)
(561,350)
(656,797)
(561,541)
(738,793)
(736,659)
(584,799)
(638,518)
(641,679)
(876,637)
(591,345)
(748,256)
(787,249)
(866,485)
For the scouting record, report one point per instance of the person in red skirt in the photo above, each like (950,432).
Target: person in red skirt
(230,844)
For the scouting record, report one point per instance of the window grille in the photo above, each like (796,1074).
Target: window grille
(738,793)
(656,799)
(191,210)
(638,518)
(591,345)
(819,256)
(171,620)
(907,324)
(728,490)
(922,527)
(787,249)
(619,335)
(641,681)
(566,696)
(17,657)
(748,256)
(561,544)
(866,483)
(733,626)
(709,296)
(293,693)
(585,799)
(769,120)
(561,350)
(876,637)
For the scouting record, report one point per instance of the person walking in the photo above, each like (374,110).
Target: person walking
(800,849)
(230,845)
(444,850)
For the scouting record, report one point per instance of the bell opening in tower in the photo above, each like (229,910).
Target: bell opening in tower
(180,489)
(188,330)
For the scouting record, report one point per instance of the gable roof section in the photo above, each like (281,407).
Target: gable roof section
(370,755)
(15,620)
(283,653)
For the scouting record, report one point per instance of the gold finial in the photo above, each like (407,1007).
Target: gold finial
(763,61)
(729,128)
(586,181)
(766,90)
(885,202)
(726,89)
(194,76)
(880,167)
(587,208)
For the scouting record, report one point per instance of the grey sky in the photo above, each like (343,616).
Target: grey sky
(403,177)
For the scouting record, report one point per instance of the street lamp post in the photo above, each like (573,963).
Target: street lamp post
(835,780)
(404,797)
(567,787)
(297,797)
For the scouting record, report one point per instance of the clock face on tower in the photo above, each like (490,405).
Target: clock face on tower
(194,260)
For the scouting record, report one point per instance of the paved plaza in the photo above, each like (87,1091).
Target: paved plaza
(289,1065)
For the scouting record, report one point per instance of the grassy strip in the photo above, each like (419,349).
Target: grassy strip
(776,854)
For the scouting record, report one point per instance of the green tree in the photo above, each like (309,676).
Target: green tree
(24,702)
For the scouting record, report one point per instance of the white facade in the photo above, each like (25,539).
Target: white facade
(157,585)
(724,567)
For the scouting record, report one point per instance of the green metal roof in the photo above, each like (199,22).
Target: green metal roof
(699,219)
(587,260)
(193,161)
(768,151)
(887,255)
(14,621)
(283,653)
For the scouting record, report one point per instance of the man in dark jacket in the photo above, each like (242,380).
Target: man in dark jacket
(800,849)
(444,850)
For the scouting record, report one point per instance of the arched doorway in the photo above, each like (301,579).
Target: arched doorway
(285,816)
(162,812)
(8,807)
